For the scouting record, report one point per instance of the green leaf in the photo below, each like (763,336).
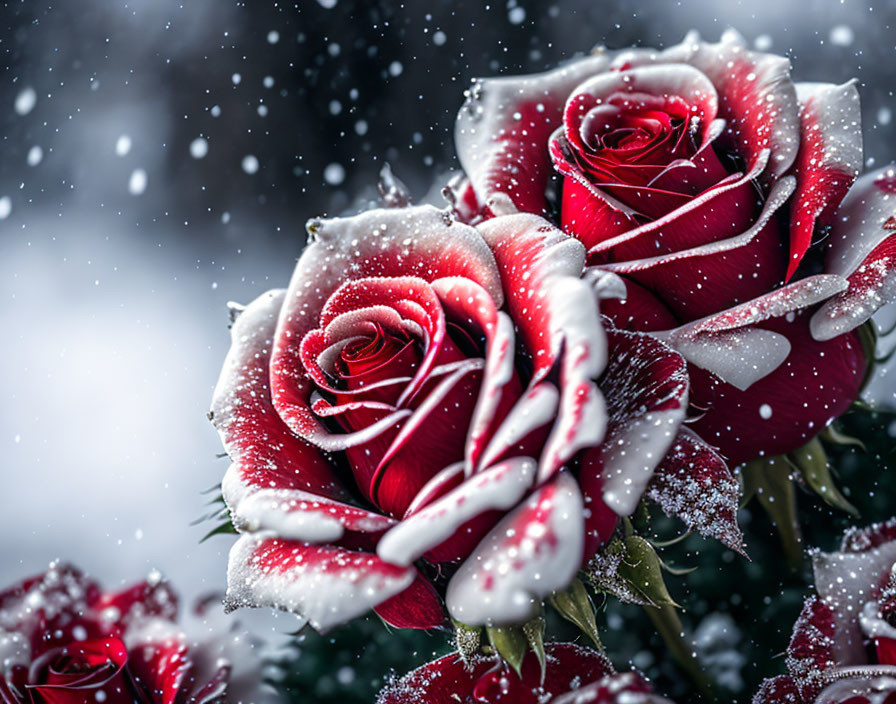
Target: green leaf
(868,339)
(574,605)
(642,569)
(511,644)
(812,463)
(534,631)
(768,479)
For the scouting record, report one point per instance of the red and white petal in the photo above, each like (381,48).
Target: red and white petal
(618,688)
(420,242)
(716,214)
(646,387)
(581,416)
(529,252)
(727,343)
(532,552)
(325,584)
(294,514)
(502,131)
(857,539)
(757,97)
(159,660)
(845,581)
(694,484)
(534,412)
(860,685)
(669,81)
(468,302)
(263,449)
(499,487)
(862,249)
(775,304)
(829,159)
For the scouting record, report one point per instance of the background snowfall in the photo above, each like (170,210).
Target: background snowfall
(159,158)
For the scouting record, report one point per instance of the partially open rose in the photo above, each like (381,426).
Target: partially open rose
(65,641)
(572,675)
(714,185)
(434,411)
(843,649)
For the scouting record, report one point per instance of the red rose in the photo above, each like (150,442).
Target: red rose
(714,185)
(572,674)
(843,649)
(434,410)
(64,641)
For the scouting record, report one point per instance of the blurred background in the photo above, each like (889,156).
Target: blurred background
(159,158)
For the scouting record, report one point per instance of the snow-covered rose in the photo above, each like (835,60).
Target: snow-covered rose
(722,192)
(572,675)
(433,413)
(63,640)
(843,649)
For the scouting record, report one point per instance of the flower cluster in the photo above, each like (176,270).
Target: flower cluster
(63,640)
(655,266)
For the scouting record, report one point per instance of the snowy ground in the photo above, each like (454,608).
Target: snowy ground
(157,160)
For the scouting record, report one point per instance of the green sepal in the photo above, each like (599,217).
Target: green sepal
(867,333)
(835,436)
(467,640)
(812,462)
(574,605)
(534,632)
(511,644)
(643,570)
(225,528)
(768,479)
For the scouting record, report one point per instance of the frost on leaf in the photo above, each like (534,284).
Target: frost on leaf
(694,484)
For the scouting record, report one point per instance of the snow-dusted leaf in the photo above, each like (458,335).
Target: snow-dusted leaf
(695,485)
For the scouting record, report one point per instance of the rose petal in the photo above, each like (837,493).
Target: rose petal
(829,159)
(815,383)
(499,487)
(326,584)
(418,606)
(294,514)
(449,679)
(646,387)
(502,131)
(420,242)
(535,550)
(699,280)
(639,310)
(264,451)
(756,94)
(777,690)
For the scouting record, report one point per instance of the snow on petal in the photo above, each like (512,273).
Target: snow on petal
(829,159)
(294,514)
(646,387)
(264,451)
(502,131)
(498,487)
(534,551)
(325,584)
